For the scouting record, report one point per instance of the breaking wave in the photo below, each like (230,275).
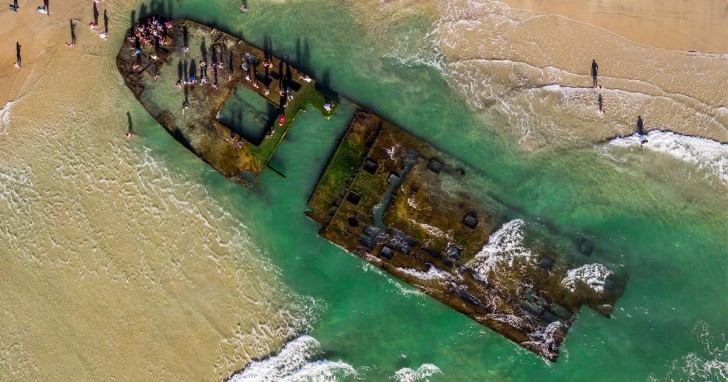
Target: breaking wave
(433,273)
(705,153)
(544,338)
(593,275)
(302,360)
(504,246)
(299,360)
(401,288)
(422,373)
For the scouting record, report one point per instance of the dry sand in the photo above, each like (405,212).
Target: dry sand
(700,26)
(39,35)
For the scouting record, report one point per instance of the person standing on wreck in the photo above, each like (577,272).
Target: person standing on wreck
(594,72)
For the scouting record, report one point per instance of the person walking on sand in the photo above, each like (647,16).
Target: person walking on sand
(44,9)
(73,33)
(640,126)
(18,60)
(14,6)
(594,72)
(600,101)
(641,130)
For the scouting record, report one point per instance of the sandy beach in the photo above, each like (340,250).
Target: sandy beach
(40,36)
(700,26)
(159,282)
(114,267)
(529,71)
(525,64)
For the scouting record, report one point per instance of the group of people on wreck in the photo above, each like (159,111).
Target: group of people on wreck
(147,32)
(156,32)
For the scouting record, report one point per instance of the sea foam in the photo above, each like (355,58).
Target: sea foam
(593,275)
(504,246)
(296,362)
(5,115)
(545,337)
(422,373)
(707,364)
(705,153)
(433,273)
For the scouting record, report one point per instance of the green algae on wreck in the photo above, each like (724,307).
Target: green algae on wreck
(151,68)
(404,206)
(386,196)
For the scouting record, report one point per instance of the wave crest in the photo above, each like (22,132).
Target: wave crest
(705,153)
(593,275)
(502,248)
(422,373)
(297,361)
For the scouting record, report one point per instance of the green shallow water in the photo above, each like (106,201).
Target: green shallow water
(667,233)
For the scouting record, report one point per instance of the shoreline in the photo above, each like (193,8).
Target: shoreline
(503,60)
(48,40)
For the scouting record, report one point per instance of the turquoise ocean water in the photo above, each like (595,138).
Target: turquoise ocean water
(669,234)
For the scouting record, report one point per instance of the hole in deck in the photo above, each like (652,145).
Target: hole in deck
(470,220)
(248,114)
(435,165)
(387,252)
(370,166)
(353,198)
(353,222)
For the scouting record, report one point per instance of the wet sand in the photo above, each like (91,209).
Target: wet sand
(530,72)
(114,266)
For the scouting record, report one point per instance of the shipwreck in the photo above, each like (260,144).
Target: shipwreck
(386,196)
